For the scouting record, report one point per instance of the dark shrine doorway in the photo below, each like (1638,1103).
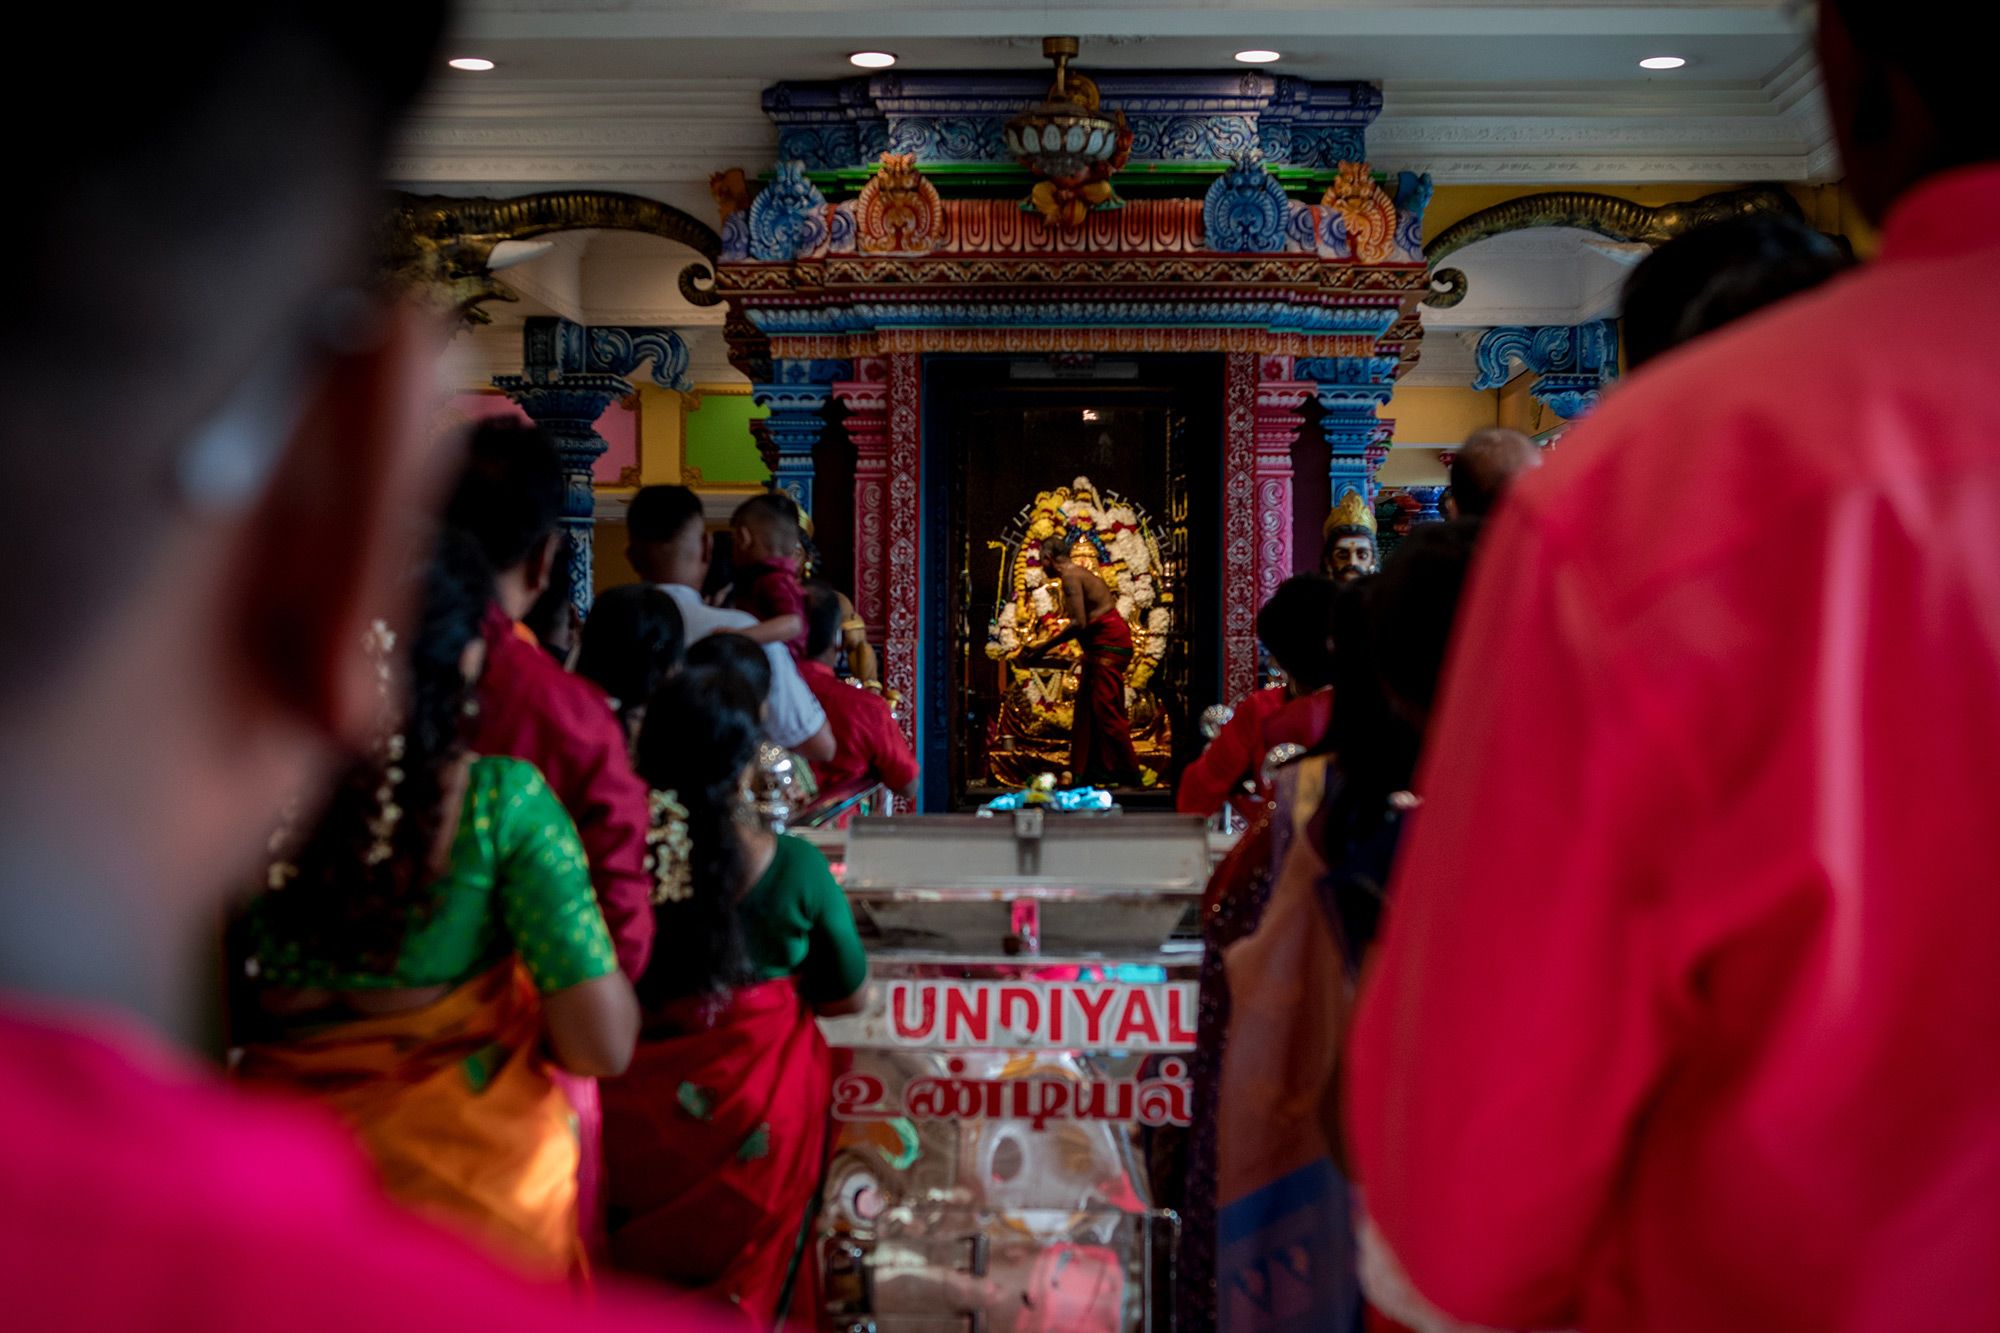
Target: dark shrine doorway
(1001,433)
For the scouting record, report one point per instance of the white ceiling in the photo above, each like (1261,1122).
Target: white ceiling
(656,94)
(651,96)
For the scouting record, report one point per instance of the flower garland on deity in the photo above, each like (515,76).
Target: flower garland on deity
(1118,542)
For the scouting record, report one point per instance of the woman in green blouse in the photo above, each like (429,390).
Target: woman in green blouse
(431,947)
(715,1140)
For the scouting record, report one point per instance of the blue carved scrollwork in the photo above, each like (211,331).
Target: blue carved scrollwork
(788,216)
(619,351)
(1575,362)
(1413,195)
(1300,228)
(1245,210)
(950,138)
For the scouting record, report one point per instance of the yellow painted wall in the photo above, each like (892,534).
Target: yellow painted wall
(1520,411)
(1412,467)
(608,566)
(662,435)
(1440,415)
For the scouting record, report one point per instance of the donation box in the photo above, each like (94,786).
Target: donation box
(1021,1065)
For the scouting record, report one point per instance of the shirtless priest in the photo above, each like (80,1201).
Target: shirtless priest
(1100,745)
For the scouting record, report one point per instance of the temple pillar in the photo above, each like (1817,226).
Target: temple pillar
(903,520)
(797,398)
(1350,389)
(866,401)
(570,375)
(1279,398)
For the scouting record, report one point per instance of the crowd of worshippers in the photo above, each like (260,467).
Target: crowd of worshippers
(1601,964)
(557,862)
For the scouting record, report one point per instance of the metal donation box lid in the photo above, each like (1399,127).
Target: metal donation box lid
(1099,884)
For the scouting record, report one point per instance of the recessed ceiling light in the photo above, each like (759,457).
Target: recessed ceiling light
(471,62)
(1662,62)
(1257,57)
(872,59)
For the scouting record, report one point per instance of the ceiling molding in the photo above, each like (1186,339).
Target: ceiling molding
(635,131)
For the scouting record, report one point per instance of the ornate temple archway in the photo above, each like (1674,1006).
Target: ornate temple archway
(1264,239)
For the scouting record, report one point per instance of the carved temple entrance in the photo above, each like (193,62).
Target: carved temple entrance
(858,276)
(1125,453)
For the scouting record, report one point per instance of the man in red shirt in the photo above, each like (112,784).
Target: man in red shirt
(256,443)
(1686,1011)
(510,500)
(1295,626)
(868,745)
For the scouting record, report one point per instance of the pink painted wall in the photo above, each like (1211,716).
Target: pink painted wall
(619,426)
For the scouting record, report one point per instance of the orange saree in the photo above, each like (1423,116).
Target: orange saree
(455,1105)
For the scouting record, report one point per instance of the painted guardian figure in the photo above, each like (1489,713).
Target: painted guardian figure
(1350,551)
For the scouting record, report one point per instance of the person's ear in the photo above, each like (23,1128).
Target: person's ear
(350,510)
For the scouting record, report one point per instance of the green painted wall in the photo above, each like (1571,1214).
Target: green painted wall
(719,446)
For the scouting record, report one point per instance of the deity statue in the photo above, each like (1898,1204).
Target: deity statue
(1114,541)
(1349,532)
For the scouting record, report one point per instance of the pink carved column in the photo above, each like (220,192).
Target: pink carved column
(903,517)
(1240,535)
(866,398)
(1279,398)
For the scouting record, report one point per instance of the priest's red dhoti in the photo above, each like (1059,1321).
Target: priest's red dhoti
(1100,745)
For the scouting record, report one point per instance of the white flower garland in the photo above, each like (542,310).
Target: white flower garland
(1130,563)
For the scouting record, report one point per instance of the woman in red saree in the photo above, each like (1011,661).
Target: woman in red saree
(716,1138)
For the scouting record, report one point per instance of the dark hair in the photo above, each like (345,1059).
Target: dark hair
(661,513)
(823,618)
(1376,750)
(1414,605)
(632,642)
(739,657)
(774,518)
(251,162)
(1716,274)
(510,496)
(701,732)
(344,908)
(1375,755)
(1891,35)
(1296,627)
(548,619)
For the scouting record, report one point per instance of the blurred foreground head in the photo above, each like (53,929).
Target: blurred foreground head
(1905,105)
(1714,275)
(195,347)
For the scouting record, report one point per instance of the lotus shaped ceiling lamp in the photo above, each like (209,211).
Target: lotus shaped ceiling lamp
(1070,142)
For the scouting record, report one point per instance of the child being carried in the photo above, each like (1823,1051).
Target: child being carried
(766,529)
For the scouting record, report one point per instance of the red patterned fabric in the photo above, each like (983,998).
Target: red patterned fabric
(1265,719)
(868,743)
(768,589)
(714,1144)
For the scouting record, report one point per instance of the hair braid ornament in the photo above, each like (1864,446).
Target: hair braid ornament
(669,849)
